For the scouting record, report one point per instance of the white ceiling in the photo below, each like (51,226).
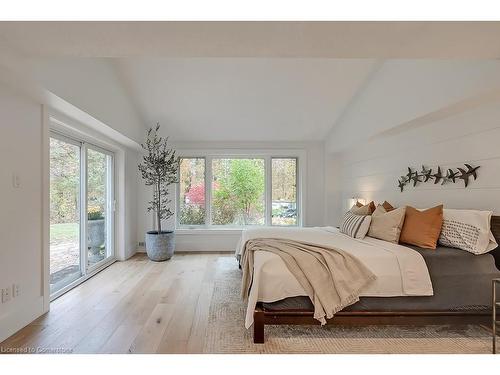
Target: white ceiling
(256,39)
(237,81)
(243,99)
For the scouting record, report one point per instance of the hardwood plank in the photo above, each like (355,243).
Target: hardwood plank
(121,339)
(200,321)
(136,306)
(148,340)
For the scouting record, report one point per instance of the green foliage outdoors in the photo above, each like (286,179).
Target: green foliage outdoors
(238,197)
(191,214)
(67,232)
(65,181)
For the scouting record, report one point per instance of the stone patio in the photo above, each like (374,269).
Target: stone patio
(65,260)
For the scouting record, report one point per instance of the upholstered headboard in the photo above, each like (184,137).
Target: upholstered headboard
(495,229)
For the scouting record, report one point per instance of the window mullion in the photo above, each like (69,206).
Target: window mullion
(208,191)
(268,190)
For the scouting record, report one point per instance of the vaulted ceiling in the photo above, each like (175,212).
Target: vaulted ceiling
(259,81)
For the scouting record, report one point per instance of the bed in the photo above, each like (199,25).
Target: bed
(458,288)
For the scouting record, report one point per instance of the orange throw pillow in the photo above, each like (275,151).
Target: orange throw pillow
(422,228)
(367,209)
(387,206)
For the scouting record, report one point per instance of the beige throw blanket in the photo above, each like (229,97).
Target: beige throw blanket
(332,278)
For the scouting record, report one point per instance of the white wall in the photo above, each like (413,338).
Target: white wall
(226,240)
(93,86)
(22,213)
(404,90)
(443,119)
(21,209)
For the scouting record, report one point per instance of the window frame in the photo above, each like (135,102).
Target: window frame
(267,156)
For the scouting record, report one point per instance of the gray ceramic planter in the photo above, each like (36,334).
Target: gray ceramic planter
(96,235)
(161,246)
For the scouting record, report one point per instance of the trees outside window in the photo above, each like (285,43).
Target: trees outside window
(238,190)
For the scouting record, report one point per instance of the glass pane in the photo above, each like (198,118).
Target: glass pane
(98,207)
(238,192)
(284,195)
(192,191)
(64,214)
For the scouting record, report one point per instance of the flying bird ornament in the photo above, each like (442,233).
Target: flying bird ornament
(451,175)
(426,175)
(437,176)
(465,174)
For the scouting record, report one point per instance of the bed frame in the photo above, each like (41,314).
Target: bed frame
(264,317)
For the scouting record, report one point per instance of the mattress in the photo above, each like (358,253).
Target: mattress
(461,282)
(399,270)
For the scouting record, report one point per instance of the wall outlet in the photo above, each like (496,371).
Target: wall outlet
(142,244)
(15,290)
(6,295)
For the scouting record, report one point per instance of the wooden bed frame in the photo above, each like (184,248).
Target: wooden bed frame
(264,317)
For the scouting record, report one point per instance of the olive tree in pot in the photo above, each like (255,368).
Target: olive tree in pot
(159,169)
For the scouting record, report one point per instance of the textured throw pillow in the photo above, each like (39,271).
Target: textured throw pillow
(387,206)
(422,228)
(467,230)
(387,225)
(363,210)
(355,225)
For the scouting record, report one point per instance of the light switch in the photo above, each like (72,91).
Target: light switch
(16,181)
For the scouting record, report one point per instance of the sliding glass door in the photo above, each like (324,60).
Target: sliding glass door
(99,206)
(65,192)
(81,211)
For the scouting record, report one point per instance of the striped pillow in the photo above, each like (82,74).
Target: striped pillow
(355,226)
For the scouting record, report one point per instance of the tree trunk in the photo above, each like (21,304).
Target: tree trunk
(158,208)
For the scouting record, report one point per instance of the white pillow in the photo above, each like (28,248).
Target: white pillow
(354,225)
(467,230)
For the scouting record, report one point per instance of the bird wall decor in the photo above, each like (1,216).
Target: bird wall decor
(426,175)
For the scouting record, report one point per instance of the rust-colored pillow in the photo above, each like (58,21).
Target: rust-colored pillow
(387,206)
(367,209)
(422,228)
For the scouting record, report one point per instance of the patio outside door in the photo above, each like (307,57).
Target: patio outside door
(81,211)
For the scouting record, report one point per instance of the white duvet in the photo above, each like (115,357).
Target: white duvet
(400,271)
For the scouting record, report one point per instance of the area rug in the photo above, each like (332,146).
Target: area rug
(226,332)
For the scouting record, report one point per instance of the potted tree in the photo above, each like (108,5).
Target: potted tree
(159,169)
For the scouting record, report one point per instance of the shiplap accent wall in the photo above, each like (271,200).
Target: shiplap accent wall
(370,169)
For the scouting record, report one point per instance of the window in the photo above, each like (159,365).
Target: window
(238,192)
(284,191)
(243,190)
(192,209)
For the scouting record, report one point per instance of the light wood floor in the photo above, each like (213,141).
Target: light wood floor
(137,306)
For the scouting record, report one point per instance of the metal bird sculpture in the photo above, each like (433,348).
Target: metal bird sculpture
(426,174)
(452,175)
(416,178)
(401,184)
(409,175)
(472,171)
(437,176)
(464,175)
